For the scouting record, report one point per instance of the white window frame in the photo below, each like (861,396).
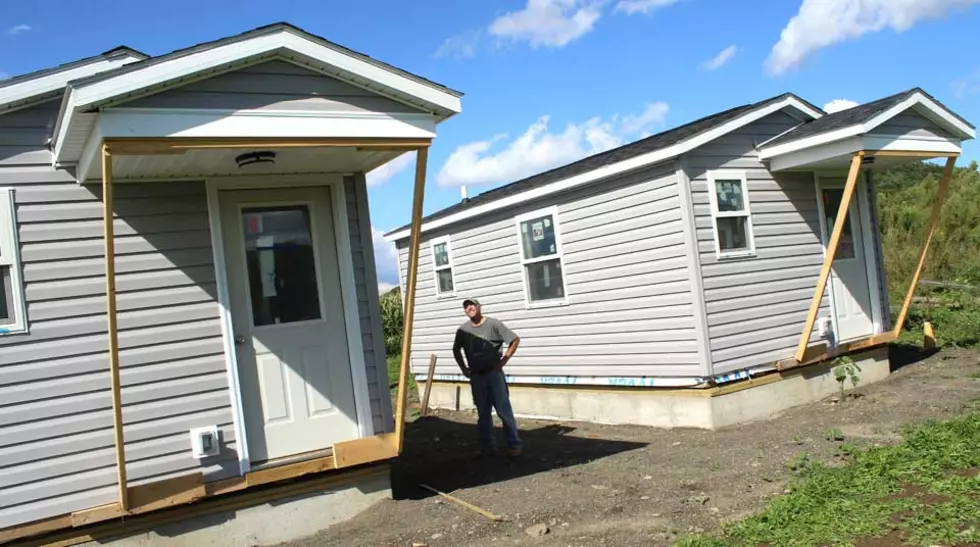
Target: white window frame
(559,254)
(10,257)
(436,269)
(723,175)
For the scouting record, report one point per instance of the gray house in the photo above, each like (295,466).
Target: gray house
(222,331)
(644,279)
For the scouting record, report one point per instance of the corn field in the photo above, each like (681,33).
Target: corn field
(391,320)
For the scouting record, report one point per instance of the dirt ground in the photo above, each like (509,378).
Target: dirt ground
(619,486)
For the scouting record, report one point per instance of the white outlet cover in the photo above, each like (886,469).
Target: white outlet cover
(205,441)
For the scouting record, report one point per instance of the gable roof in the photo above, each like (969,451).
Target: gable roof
(863,118)
(259,31)
(647,146)
(45,84)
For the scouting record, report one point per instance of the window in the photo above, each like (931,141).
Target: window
(541,258)
(12,315)
(442,267)
(731,217)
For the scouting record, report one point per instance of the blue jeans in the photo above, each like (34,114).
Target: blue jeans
(490,390)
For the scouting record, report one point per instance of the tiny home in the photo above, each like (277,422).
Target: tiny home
(188,297)
(727,248)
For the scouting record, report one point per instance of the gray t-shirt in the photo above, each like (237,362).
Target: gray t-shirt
(481,343)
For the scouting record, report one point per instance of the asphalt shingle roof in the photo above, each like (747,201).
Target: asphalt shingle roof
(633,149)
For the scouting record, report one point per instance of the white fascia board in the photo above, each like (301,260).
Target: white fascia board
(846,147)
(614,169)
(55,81)
(941,115)
(201,123)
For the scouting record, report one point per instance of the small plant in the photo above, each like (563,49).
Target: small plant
(845,368)
(800,463)
(834,435)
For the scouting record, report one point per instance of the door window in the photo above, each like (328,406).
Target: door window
(281,265)
(831,204)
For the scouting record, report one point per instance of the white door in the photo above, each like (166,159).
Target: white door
(850,286)
(288,319)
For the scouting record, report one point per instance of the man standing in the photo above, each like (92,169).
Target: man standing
(480,339)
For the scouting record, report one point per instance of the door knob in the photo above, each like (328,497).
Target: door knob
(239,339)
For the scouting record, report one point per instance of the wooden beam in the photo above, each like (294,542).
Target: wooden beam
(412,276)
(179,145)
(930,231)
(911,154)
(428,385)
(828,260)
(366,450)
(110,293)
(290,471)
(147,498)
(35,528)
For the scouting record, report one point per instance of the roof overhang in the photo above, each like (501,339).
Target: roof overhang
(84,103)
(47,84)
(837,155)
(637,162)
(918,101)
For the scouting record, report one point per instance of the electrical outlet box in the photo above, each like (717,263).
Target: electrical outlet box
(205,442)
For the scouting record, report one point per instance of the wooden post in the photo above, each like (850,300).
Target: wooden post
(421,160)
(828,260)
(930,230)
(110,297)
(928,336)
(428,384)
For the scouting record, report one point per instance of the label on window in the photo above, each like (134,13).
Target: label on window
(537,231)
(547,222)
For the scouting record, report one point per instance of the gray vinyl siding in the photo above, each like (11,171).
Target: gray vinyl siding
(56,438)
(368,305)
(911,124)
(24,133)
(273,85)
(627,275)
(756,307)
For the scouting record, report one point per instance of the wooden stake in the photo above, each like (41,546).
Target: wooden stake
(110,296)
(928,337)
(421,160)
(428,385)
(828,259)
(467,505)
(930,230)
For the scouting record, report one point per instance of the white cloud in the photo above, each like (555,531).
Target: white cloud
(822,23)
(385,259)
(385,287)
(723,57)
(549,23)
(461,46)
(968,85)
(18,29)
(837,105)
(538,149)
(642,6)
(383,174)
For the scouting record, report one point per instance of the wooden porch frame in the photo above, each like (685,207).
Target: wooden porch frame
(189,488)
(801,354)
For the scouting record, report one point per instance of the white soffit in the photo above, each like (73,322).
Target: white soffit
(636,162)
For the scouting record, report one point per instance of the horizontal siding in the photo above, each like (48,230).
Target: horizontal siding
(24,135)
(627,279)
(756,307)
(273,85)
(368,306)
(912,124)
(56,438)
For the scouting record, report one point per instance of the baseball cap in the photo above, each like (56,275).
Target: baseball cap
(469,301)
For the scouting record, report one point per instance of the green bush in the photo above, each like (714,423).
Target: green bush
(392,320)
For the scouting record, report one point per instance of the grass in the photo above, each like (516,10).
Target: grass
(394,362)
(836,506)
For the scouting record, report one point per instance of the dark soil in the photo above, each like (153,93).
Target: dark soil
(618,486)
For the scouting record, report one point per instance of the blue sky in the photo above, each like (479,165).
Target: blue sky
(549,81)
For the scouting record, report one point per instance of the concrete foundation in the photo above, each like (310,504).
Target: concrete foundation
(738,403)
(271,523)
